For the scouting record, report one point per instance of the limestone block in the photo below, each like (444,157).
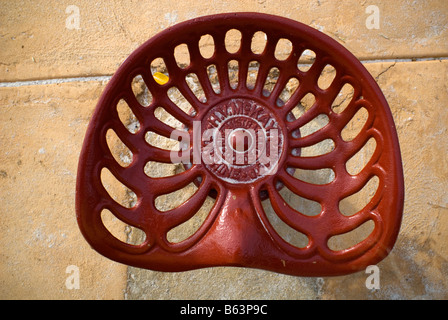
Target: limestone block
(60,39)
(41,132)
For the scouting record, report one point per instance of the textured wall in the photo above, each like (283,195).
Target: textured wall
(53,71)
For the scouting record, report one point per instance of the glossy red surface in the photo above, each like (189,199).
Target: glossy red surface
(237,232)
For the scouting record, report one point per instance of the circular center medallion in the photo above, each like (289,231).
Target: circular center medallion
(241,141)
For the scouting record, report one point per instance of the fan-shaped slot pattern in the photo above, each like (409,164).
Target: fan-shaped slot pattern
(356,202)
(192,225)
(127,117)
(287,233)
(121,153)
(233,71)
(355,125)
(182,56)
(195,86)
(141,92)
(252,74)
(258,43)
(306,60)
(318,176)
(350,239)
(120,193)
(158,66)
(176,96)
(318,149)
(122,231)
(283,49)
(326,77)
(233,40)
(343,99)
(212,73)
(359,161)
(206,46)
(271,81)
(288,90)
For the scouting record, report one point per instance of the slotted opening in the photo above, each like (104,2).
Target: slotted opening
(233,73)
(318,149)
(319,176)
(303,106)
(212,73)
(326,77)
(155,169)
(158,67)
(174,199)
(189,227)
(196,87)
(252,74)
(120,193)
(283,49)
(166,117)
(127,117)
(343,99)
(350,239)
(162,142)
(306,60)
(358,201)
(314,125)
(141,91)
(258,43)
(290,235)
(305,206)
(291,86)
(179,100)
(182,56)
(207,46)
(271,81)
(121,153)
(120,230)
(358,162)
(355,125)
(233,40)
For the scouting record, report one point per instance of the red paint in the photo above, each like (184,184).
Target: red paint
(237,231)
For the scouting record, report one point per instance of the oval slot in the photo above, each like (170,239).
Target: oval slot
(300,204)
(121,153)
(350,239)
(120,193)
(326,77)
(233,40)
(283,49)
(191,226)
(207,46)
(127,117)
(290,235)
(358,162)
(355,125)
(359,200)
(120,230)
(141,91)
(258,43)
(182,56)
